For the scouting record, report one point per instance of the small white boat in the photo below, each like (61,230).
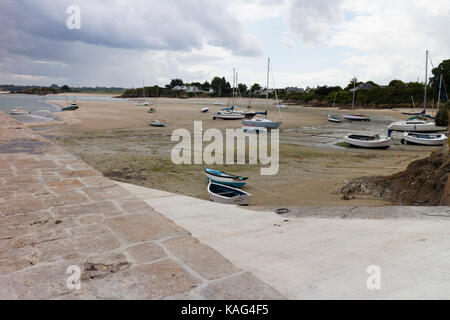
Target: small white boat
(218,103)
(430,139)
(228,115)
(261,122)
(19,111)
(251,129)
(415,126)
(228,195)
(356,117)
(282,106)
(143,104)
(363,141)
(228,179)
(333,118)
(204,110)
(157,123)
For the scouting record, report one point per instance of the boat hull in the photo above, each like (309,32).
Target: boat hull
(425,140)
(71,108)
(415,127)
(229,116)
(381,143)
(353,117)
(218,193)
(229,181)
(262,124)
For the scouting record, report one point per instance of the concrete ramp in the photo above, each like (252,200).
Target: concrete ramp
(311,258)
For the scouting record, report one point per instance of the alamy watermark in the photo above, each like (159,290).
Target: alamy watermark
(229,150)
(73,281)
(374,280)
(73,22)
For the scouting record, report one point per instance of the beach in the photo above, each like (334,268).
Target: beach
(114,137)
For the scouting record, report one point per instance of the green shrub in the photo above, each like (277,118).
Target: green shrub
(442,115)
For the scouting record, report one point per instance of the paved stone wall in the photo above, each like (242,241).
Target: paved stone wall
(56,211)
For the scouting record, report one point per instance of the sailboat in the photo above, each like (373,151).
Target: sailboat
(143,103)
(73,105)
(264,122)
(355,117)
(334,118)
(230,113)
(417,125)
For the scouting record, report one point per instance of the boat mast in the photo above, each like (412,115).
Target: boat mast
(234,80)
(439,95)
(143,89)
(267,87)
(354,90)
(334,101)
(425,83)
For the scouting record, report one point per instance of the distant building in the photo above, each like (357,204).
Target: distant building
(294,89)
(191,89)
(363,86)
(262,91)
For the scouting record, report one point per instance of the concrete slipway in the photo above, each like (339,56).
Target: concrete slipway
(323,258)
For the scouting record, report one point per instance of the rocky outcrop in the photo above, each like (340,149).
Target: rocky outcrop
(424,183)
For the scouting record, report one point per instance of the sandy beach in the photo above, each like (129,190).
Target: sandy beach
(115,138)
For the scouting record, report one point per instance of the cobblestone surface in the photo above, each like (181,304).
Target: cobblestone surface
(56,212)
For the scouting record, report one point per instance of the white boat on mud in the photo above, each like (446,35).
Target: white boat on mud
(430,139)
(356,117)
(157,123)
(228,195)
(333,118)
(262,123)
(204,110)
(228,115)
(372,142)
(415,126)
(19,111)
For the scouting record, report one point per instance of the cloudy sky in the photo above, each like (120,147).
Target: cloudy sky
(310,42)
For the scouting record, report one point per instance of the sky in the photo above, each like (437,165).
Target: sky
(310,42)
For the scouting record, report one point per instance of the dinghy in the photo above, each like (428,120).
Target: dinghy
(204,110)
(415,126)
(356,117)
(157,123)
(73,106)
(227,115)
(429,139)
(335,119)
(19,111)
(363,141)
(262,123)
(282,106)
(151,110)
(225,178)
(224,194)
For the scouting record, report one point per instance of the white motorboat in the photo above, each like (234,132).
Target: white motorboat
(204,110)
(356,117)
(430,139)
(262,122)
(415,126)
(228,195)
(19,111)
(228,115)
(363,141)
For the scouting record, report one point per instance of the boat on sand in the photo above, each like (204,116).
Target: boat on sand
(366,141)
(228,195)
(19,111)
(430,139)
(225,178)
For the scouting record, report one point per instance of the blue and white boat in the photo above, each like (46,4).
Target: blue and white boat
(225,178)
(332,118)
(228,195)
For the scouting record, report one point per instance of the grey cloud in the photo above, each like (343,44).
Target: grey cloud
(312,19)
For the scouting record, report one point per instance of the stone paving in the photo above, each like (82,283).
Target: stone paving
(56,212)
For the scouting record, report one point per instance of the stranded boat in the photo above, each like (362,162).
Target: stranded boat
(225,178)
(415,126)
(19,111)
(335,119)
(73,106)
(433,139)
(228,195)
(356,117)
(157,123)
(228,115)
(262,123)
(363,141)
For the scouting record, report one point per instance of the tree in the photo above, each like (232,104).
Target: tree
(353,83)
(65,88)
(255,87)
(205,86)
(216,84)
(444,70)
(242,88)
(442,115)
(176,82)
(397,84)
